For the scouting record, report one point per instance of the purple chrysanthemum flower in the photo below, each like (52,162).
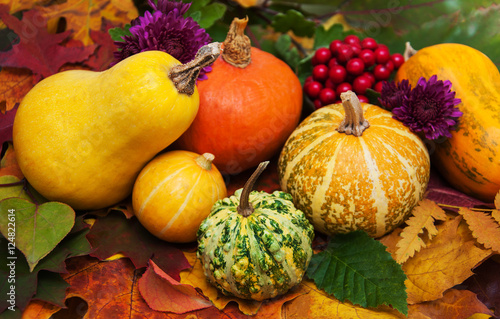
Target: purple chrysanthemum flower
(165,30)
(429,108)
(392,93)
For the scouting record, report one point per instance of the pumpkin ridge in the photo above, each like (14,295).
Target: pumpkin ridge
(183,205)
(157,188)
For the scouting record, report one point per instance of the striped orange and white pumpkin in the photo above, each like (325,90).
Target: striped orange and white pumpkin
(351,166)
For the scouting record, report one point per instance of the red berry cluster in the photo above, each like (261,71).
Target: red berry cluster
(351,64)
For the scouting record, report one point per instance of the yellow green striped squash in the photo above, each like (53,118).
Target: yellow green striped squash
(258,256)
(344,182)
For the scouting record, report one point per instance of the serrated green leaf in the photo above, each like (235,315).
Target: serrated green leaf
(295,21)
(210,14)
(356,267)
(286,51)
(196,5)
(117,34)
(35,229)
(323,37)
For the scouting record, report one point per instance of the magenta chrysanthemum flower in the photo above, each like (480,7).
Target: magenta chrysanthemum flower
(165,30)
(392,93)
(429,108)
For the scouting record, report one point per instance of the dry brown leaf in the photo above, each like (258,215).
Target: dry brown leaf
(14,84)
(454,304)
(83,16)
(445,262)
(496,215)
(483,227)
(422,220)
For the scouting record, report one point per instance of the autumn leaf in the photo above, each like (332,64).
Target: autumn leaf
(486,283)
(38,309)
(8,163)
(422,219)
(162,293)
(85,16)
(38,50)
(483,227)
(6,123)
(357,268)
(446,261)
(103,55)
(14,84)
(131,239)
(454,304)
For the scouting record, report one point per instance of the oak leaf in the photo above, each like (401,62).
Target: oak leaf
(454,304)
(162,293)
(85,16)
(38,50)
(422,219)
(483,227)
(14,84)
(445,262)
(113,234)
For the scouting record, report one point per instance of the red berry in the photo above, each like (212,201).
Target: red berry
(323,55)
(343,87)
(390,65)
(356,49)
(382,55)
(355,66)
(378,86)
(352,39)
(314,61)
(332,62)
(381,72)
(329,84)
(334,46)
(398,60)
(317,104)
(337,74)
(369,43)
(363,98)
(308,79)
(327,96)
(368,57)
(370,76)
(360,84)
(320,72)
(312,89)
(345,53)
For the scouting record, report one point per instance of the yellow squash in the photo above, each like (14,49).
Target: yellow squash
(470,159)
(82,137)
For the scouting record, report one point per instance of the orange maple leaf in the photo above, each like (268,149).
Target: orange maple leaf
(83,16)
(423,219)
(14,84)
(483,227)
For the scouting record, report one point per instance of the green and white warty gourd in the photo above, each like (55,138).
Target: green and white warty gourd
(255,245)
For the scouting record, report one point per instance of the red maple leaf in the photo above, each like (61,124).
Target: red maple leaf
(6,123)
(38,50)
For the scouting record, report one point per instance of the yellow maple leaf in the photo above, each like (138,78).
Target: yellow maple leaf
(497,201)
(445,262)
(422,220)
(483,227)
(82,16)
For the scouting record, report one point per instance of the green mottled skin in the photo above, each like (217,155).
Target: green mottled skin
(256,257)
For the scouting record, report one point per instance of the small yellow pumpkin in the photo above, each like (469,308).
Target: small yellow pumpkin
(351,166)
(175,192)
(470,159)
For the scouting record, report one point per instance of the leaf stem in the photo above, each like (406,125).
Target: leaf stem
(471,208)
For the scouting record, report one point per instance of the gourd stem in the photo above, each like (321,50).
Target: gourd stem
(354,122)
(245,207)
(237,46)
(184,75)
(409,51)
(205,161)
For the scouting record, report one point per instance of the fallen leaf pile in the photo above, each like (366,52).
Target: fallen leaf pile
(442,263)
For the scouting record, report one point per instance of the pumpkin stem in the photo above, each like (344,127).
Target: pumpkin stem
(184,75)
(245,207)
(409,51)
(354,122)
(205,161)
(237,46)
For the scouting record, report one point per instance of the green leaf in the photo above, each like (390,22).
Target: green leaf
(295,21)
(18,188)
(35,229)
(286,51)
(117,34)
(51,288)
(323,37)
(209,14)
(356,267)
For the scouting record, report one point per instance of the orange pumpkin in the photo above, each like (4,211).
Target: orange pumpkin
(249,105)
(470,159)
(351,166)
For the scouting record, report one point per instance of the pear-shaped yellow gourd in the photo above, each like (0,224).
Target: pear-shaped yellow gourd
(82,137)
